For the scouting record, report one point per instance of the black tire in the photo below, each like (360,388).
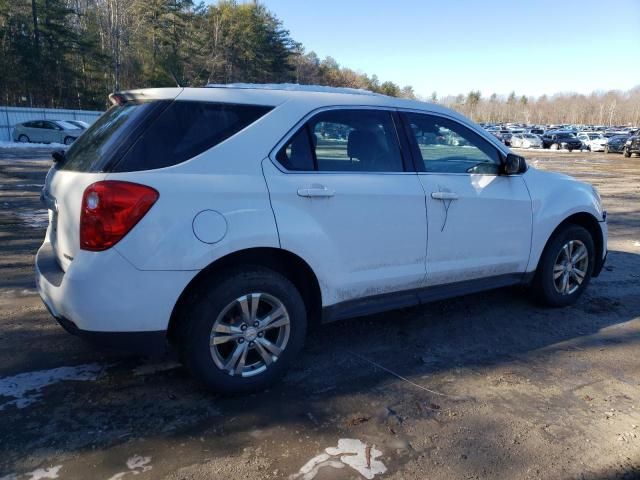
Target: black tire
(211,300)
(68,140)
(544,285)
(570,150)
(23,139)
(626,153)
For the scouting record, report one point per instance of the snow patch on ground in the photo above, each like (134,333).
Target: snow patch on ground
(43,473)
(547,150)
(136,465)
(4,144)
(34,219)
(352,452)
(25,388)
(39,474)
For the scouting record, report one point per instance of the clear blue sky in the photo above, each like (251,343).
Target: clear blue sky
(453,46)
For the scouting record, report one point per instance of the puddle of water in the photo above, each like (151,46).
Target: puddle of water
(151,368)
(25,388)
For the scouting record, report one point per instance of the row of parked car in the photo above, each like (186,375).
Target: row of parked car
(592,138)
(49,131)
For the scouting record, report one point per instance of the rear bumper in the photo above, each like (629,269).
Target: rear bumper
(144,343)
(103,298)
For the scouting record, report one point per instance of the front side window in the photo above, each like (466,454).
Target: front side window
(345,140)
(446,146)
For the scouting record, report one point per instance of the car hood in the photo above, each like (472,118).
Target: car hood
(554,186)
(547,176)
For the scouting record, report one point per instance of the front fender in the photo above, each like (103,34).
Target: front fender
(555,198)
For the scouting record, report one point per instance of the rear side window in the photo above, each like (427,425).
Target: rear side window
(184,130)
(345,140)
(149,135)
(110,136)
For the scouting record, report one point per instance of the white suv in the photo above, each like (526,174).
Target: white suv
(225,220)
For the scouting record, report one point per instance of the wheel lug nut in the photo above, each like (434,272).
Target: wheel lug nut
(241,340)
(243,327)
(256,324)
(251,344)
(261,334)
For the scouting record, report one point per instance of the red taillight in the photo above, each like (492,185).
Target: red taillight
(110,209)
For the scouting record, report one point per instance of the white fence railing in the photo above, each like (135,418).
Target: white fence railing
(10,116)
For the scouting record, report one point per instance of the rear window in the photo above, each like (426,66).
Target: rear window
(146,136)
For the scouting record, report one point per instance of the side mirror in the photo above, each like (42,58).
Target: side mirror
(58,156)
(514,164)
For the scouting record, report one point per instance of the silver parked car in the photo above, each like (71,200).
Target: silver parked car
(46,131)
(526,140)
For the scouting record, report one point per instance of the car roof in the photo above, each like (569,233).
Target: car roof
(313,96)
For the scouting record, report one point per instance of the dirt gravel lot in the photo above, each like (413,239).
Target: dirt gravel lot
(486,386)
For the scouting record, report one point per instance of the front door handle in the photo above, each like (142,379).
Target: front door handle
(444,196)
(316,191)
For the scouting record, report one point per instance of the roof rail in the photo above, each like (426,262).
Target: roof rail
(294,87)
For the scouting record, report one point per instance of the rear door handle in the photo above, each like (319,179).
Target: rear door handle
(316,191)
(444,196)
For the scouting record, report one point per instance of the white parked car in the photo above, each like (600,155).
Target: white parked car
(526,140)
(593,141)
(227,220)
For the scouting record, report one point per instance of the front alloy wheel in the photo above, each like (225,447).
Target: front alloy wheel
(250,334)
(570,267)
(565,267)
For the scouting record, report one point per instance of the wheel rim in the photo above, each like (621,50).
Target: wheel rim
(249,335)
(22,139)
(570,267)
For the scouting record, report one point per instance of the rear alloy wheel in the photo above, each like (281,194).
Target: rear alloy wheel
(250,334)
(23,139)
(565,267)
(241,335)
(626,153)
(68,140)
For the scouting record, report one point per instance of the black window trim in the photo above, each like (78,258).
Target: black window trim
(415,151)
(403,146)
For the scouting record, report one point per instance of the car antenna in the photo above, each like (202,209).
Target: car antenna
(175,79)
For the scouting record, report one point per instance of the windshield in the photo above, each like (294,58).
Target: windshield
(530,136)
(566,135)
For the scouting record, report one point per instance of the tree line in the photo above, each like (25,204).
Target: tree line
(598,108)
(73,53)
